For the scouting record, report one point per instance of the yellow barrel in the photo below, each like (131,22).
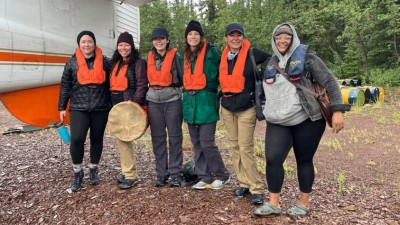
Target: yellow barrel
(381,94)
(353,96)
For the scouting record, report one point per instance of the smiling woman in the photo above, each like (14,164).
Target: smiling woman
(237,80)
(165,110)
(293,117)
(87,44)
(128,82)
(84,86)
(200,61)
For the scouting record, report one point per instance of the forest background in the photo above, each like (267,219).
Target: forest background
(357,39)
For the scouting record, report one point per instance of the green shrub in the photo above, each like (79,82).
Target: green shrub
(385,78)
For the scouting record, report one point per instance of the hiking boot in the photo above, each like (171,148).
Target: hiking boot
(94,176)
(120,178)
(201,185)
(175,182)
(161,182)
(128,183)
(218,184)
(77,183)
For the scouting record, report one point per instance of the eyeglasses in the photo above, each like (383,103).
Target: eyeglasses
(286,38)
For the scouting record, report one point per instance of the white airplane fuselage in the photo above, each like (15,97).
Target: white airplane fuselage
(37,37)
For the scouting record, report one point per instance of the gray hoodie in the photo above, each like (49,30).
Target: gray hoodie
(288,106)
(283,105)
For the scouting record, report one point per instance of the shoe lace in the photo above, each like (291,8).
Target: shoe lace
(93,172)
(77,178)
(176,179)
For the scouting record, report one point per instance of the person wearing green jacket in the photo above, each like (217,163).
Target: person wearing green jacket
(200,62)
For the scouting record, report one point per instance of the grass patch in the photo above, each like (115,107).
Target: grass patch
(341,179)
(333,143)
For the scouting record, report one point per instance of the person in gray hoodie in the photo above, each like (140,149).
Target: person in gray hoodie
(293,116)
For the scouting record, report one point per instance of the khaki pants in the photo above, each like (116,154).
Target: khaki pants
(240,131)
(127,156)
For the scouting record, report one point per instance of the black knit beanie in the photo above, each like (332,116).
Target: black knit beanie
(126,37)
(85,32)
(194,25)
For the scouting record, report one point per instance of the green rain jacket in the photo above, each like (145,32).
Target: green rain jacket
(201,108)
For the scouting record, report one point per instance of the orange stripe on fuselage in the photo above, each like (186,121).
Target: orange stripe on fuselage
(24,57)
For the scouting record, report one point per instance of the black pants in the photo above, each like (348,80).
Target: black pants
(80,123)
(207,158)
(304,138)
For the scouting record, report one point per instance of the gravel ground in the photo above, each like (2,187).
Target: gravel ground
(357,180)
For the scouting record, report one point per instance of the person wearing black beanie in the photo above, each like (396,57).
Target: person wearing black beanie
(126,37)
(194,25)
(85,32)
(200,62)
(84,85)
(128,82)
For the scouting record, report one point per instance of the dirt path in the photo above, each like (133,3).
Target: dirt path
(357,180)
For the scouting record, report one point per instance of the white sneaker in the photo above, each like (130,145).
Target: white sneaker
(201,185)
(219,184)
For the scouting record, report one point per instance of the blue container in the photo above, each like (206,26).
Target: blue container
(64,135)
(374,94)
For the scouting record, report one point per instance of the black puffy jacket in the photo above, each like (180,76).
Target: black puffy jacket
(84,97)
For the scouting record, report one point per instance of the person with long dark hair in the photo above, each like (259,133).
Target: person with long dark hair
(200,62)
(128,82)
(85,84)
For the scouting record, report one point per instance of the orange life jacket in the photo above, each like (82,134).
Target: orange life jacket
(86,76)
(119,83)
(197,80)
(164,76)
(233,83)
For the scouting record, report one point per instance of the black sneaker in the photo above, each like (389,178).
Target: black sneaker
(120,178)
(161,182)
(94,176)
(241,192)
(128,183)
(77,183)
(175,182)
(256,199)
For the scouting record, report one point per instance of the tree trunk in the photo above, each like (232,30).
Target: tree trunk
(365,54)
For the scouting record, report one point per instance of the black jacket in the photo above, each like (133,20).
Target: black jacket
(244,100)
(84,97)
